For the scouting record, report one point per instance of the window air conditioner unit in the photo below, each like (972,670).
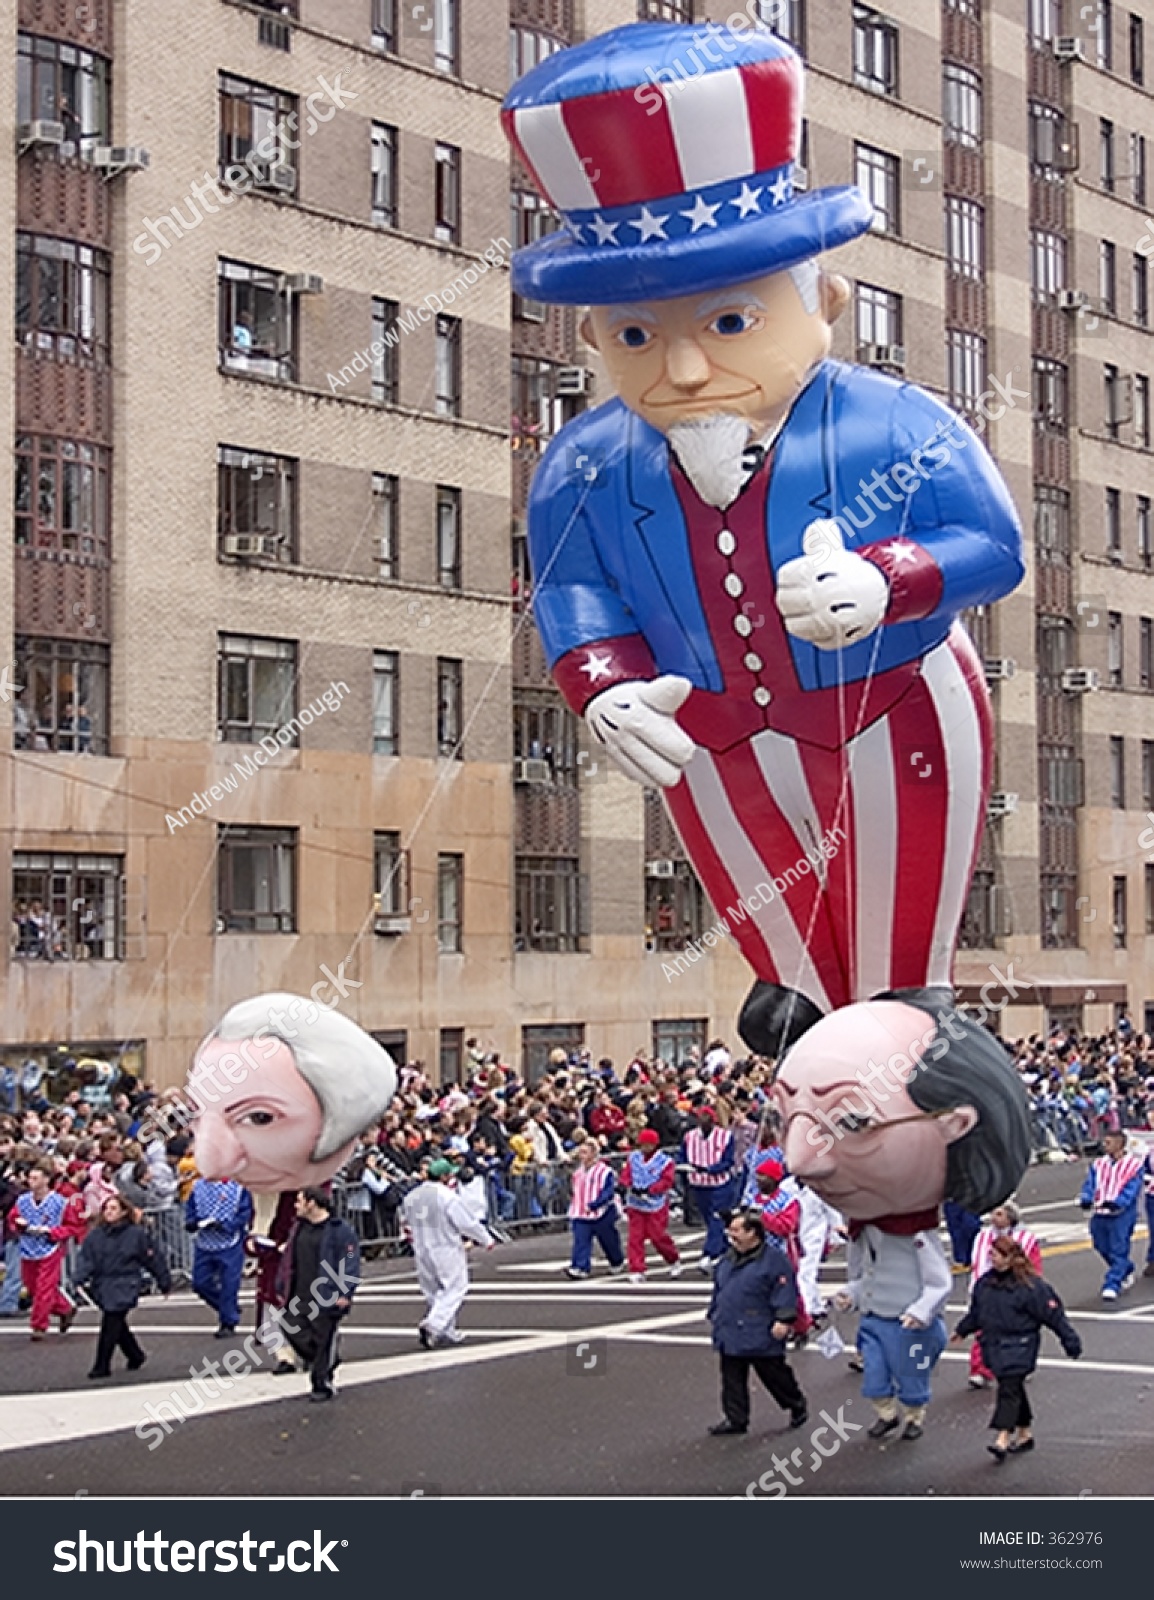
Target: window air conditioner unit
(302,283)
(1002,804)
(800,176)
(30,133)
(250,544)
(532,771)
(1071,299)
(1081,680)
(661,869)
(1069,48)
(390,923)
(882,355)
(274,177)
(999,668)
(572,380)
(117,158)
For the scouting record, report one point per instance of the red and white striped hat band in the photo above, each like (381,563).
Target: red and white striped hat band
(630,147)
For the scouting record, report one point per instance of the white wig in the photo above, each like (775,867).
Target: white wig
(805,280)
(352,1077)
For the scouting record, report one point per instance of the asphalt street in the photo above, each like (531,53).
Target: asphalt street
(590,1389)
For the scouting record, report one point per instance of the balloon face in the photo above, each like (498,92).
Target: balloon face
(852,1131)
(259,1120)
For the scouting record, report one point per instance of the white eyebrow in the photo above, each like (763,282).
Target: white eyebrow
(727,300)
(631,314)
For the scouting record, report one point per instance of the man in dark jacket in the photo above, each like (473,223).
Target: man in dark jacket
(319,1274)
(753,1309)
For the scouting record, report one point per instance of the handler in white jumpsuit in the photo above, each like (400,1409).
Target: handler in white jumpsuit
(819,1223)
(439,1222)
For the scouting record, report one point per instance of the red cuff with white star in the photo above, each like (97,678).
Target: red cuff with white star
(914,577)
(584,672)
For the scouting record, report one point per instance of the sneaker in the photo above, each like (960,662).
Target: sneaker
(67,1318)
(882,1427)
(575,1272)
(799,1416)
(1127,1283)
(316,1396)
(975,1382)
(912,1430)
(1109,1294)
(615,1272)
(678,1268)
(705,1265)
(227,1330)
(423,1336)
(452,1336)
(637,1277)
(721,1428)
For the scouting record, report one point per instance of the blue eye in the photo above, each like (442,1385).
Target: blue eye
(731,322)
(636,338)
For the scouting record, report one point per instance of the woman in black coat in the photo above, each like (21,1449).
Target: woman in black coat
(109,1265)
(1010,1306)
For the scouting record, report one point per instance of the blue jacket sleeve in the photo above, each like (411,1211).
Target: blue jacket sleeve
(1086,1198)
(1128,1196)
(606,1193)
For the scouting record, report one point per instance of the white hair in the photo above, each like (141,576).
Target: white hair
(805,280)
(351,1075)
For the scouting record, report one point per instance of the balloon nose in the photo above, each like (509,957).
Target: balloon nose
(808,1149)
(218,1152)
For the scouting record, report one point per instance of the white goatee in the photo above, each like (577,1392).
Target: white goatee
(710,451)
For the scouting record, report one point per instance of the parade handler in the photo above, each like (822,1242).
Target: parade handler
(320,1271)
(748,567)
(593,1212)
(439,1222)
(647,1179)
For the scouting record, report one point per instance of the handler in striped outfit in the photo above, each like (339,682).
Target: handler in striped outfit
(707,1151)
(593,1212)
(648,1177)
(1003,1224)
(1110,1193)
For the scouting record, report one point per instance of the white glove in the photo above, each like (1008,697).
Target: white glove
(830,596)
(635,723)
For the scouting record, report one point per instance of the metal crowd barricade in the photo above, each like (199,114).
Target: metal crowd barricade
(174,1240)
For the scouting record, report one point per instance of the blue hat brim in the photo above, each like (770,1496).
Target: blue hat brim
(561,271)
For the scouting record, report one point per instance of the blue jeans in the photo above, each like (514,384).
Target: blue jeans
(964,1228)
(216,1276)
(711,1203)
(1111,1236)
(604,1230)
(10,1288)
(899,1361)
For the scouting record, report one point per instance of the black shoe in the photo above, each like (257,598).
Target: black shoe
(997,1452)
(799,1416)
(425,1338)
(882,1426)
(1021,1446)
(100,1372)
(67,1319)
(317,1395)
(912,1430)
(856,1364)
(774,1017)
(283,1369)
(135,1366)
(720,1428)
(227,1330)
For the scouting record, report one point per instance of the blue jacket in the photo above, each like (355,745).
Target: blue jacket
(112,1259)
(1010,1317)
(610,549)
(226,1206)
(750,1293)
(1127,1195)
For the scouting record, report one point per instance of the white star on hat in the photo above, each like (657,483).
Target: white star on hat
(702,215)
(780,190)
(902,552)
(747,200)
(606,231)
(597,666)
(649,226)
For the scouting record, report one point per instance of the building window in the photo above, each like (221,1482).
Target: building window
(675,905)
(875,51)
(62,702)
(1115,645)
(450,881)
(1145,653)
(448,537)
(385,25)
(1119,913)
(386,688)
(965,237)
(532,219)
(448,366)
(386,364)
(446,193)
(1106,170)
(1103,28)
(538,410)
(1050,393)
(256,504)
(1118,773)
(256,880)
(258,685)
(548,904)
(961,106)
(1137,49)
(966,368)
(545,732)
(1108,276)
(1148,883)
(384,177)
(57,82)
(1045,21)
(67,907)
(538,1042)
(450,706)
(1140,279)
(253,118)
(61,495)
(1058,892)
(665,10)
(1142,410)
(257,323)
(451,1054)
(62,297)
(1138,167)
(1052,526)
(680,1043)
(528,47)
(877,175)
(878,315)
(1054,638)
(1148,774)
(979,929)
(385,521)
(390,876)
(1114,523)
(1118,394)
(1047,261)
(1053,140)
(446,37)
(786,18)
(1145,546)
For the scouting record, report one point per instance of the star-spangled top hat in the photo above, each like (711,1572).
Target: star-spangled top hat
(669,151)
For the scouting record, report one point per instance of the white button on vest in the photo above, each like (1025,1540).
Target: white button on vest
(743,626)
(754,662)
(762,696)
(734,585)
(726,543)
